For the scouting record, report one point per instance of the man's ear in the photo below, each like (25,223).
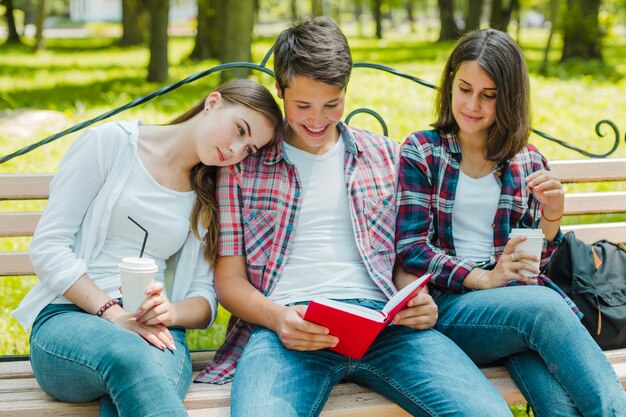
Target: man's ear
(279,91)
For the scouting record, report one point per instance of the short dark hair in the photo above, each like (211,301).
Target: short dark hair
(315,49)
(501,58)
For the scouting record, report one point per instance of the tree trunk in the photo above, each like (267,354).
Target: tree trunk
(293,8)
(495,20)
(554,11)
(13,37)
(378,17)
(449,30)
(410,14)
(131,25)
(317,9)
(358,11)
(581,31)
(507,13)
(41,17)
(158,65)
(206,45)
(237,39)
(474,12)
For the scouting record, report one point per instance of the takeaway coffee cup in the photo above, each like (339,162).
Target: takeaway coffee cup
(137,274)
(533,244)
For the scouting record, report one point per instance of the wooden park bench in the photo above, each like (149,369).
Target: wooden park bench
(21,396)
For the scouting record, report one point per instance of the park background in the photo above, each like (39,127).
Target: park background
(66,61)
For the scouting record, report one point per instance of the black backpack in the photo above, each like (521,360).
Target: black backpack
(594,277)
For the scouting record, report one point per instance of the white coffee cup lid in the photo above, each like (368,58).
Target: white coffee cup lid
(139,264)
(526,232)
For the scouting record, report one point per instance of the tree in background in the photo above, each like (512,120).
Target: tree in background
(317,8)
(158,66)
(41,17)
(581,31)
(449,30)
(474,12)
(236,44)
(501,13)
(133,22)
(13,37)
(208,31)
(377,13)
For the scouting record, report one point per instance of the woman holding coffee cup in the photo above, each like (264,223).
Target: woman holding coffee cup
(464,187)
(84,345)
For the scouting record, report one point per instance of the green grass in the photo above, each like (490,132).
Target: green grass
(79,79)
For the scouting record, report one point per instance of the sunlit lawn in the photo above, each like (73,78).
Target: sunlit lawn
(81,79)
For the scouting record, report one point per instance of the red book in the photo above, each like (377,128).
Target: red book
(357,326)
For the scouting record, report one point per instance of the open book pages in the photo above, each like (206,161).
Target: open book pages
(403,295)
(354,309)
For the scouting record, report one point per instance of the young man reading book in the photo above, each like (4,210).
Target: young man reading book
(315,217)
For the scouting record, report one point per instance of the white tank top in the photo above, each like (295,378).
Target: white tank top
(473,213)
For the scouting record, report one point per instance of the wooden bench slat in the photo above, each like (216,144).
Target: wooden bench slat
(24,186)
(15,264)
(18,224)
(589,170)
(595,203)
(589,233)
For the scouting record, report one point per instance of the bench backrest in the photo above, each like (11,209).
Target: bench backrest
(35,187)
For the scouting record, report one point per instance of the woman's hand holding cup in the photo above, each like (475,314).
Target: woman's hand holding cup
(157,308)
(515,264)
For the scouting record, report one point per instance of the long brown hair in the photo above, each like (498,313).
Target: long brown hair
(501,58)
(203,178)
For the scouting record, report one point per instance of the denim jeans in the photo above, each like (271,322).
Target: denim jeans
(551,356)
(79,357)
(422,371)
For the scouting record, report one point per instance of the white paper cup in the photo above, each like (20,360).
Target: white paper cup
(533,244)
(137,274)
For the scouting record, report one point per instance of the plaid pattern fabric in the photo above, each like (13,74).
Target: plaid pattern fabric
(429,174)
(259,202)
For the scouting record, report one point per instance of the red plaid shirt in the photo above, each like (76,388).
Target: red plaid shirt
(260,200)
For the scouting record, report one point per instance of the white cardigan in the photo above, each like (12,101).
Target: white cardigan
(74,224)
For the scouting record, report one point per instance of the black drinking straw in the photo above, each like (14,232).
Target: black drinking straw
(145,238)
(535,211)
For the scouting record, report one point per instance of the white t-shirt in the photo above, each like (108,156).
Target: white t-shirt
(163,212)
(324,260)
(475,205)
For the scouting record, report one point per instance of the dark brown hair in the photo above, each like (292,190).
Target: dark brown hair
(315,49)
(205,212)
(501,58)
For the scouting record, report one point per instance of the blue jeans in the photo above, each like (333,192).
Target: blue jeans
(79,357)
(551,356)
(422,371)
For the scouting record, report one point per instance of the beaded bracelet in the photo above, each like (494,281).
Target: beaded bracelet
(107,305)
(550,220)
(482,274)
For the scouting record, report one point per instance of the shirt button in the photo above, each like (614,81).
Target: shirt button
(253,215)
(289,228)
(297,193)
(279,261)
(385,202)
